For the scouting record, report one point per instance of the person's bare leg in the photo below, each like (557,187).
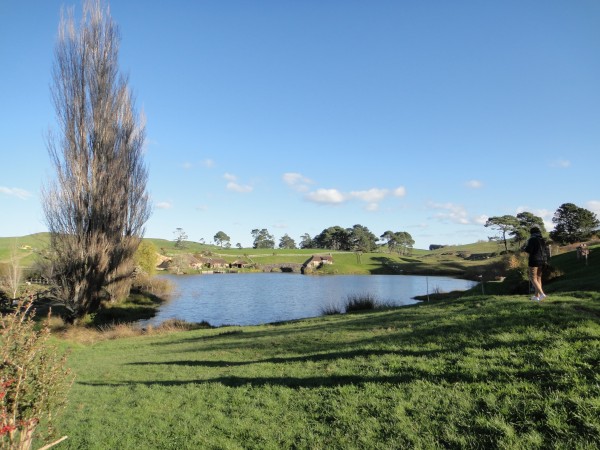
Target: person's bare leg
(533,276)
(541,293)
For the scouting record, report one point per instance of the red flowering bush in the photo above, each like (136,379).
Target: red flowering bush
(34,379)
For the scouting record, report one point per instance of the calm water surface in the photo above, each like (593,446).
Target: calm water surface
(257,298)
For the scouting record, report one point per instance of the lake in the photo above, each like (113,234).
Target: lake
(258,298)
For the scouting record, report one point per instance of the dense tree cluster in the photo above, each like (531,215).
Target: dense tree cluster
(222,239)
(287,242)
(401,241)
(516,227)
(262,239)
(572,224)
(358,238)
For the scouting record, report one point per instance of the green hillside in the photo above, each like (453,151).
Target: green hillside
(481,260)
(26,248)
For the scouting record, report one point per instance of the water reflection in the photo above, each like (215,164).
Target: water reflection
(257,298)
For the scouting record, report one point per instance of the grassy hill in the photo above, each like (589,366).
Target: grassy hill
(481,259)
(452,260)
(25,247)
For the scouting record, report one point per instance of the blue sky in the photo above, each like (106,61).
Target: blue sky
(294,116)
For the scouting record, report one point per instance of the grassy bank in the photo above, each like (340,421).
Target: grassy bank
(479,372)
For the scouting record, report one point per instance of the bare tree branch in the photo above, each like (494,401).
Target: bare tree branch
(98,204)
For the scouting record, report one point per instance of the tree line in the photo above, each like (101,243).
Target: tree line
(571,224)
(356,238)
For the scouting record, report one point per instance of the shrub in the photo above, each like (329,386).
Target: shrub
(360,302)
(331,310)
(34,380)
(160,287)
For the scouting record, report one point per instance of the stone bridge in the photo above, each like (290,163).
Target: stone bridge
(282,267)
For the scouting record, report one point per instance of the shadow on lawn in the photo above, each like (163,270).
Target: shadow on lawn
(502,345)
(384,329)
(547,377)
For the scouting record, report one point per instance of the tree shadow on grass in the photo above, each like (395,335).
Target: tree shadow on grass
(139,306)
(548,378)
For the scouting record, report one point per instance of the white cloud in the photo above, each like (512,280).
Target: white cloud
(560,163)
(297,181)
(481,220)
(451,212)
(208,163)
(234,186)
(545,214)
(16,192)
(187,165)
(474,184)
(400,191)
(330,196)
(371,196)
(163,205)
(594,206)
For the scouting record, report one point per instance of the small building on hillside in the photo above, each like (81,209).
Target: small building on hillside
(165,264)
(218,263)
(211,263)
(239,264)
(316,261)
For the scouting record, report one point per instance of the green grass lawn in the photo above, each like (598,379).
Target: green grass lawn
(478,372)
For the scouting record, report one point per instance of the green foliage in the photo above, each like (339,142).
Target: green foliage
(262,239)
(365,302)
(34,380)
(360,302)
(400,241)
(221,238)
(573,224)
(287,242)
(306,241)
(505,225)
(525,221)
(357,238)
(146,257)
(477,372)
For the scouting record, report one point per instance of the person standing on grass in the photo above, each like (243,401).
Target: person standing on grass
(536,248)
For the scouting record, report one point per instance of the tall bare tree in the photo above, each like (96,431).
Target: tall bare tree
(97,206)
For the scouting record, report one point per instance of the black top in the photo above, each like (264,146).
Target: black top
(536,247)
